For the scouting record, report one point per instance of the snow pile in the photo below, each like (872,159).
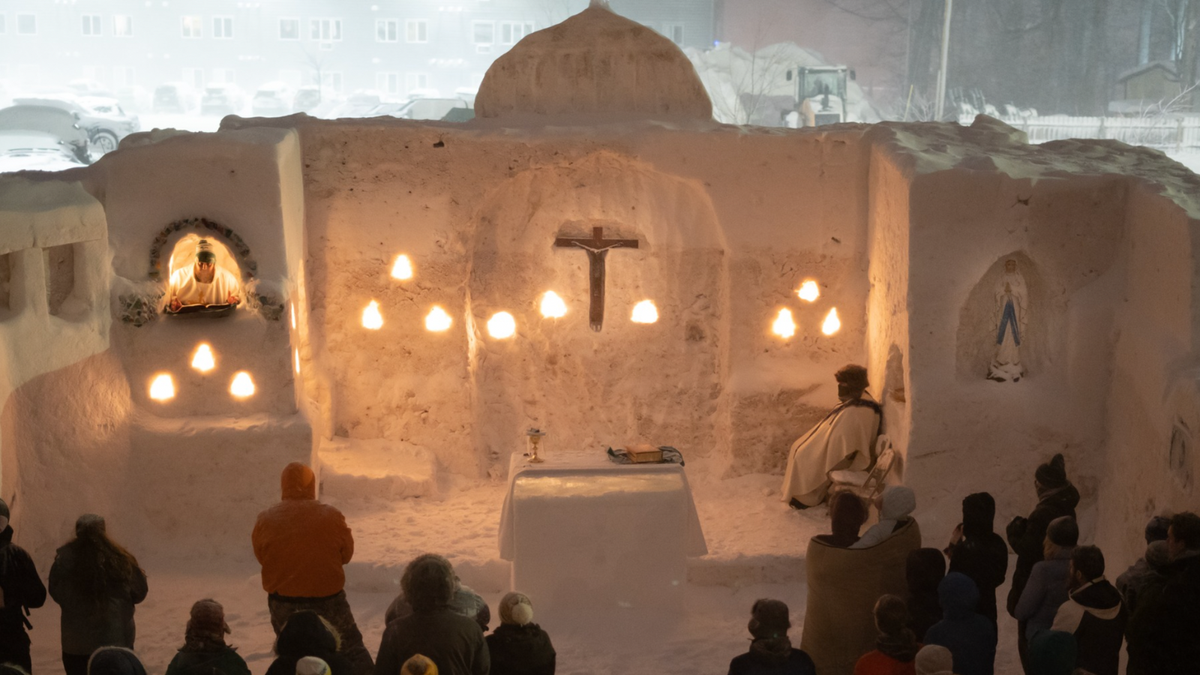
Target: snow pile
(594,62)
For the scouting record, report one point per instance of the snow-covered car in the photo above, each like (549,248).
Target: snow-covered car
(89,88)
(421,108)
(272,100)
(222,98)
(358,104)
(105,122)
(135,99)
(34,151)
(307,98)
(28,121)
(175,97)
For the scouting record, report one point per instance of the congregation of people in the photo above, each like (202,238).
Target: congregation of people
(908,610)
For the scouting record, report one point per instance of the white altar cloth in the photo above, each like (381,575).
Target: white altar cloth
(584,533)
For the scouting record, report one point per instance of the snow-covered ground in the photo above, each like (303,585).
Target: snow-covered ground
(744,522)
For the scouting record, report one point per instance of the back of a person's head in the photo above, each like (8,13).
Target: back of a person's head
(101,562)
(1052,474)
(312,665)
(419,665)
(924,569)
(934,660)
(1158,555)
(958,595)
(206,627)
(1063,532)
(114,661)
(428,582)
(1156,529)
(516,609)
(1185,527)
(891,615)
(898,502)
(1052,652)
(306,633)
(1088,561)
(769,619)
(847,513)
(979,514)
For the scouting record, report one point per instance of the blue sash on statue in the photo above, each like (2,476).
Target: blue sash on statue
(1009,317)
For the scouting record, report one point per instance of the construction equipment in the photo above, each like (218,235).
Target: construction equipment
(821,93)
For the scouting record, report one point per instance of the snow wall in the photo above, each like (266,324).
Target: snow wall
(905,226)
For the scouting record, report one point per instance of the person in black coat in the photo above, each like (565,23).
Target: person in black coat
(307,634)
(21,589)
(978,552)
(519,646)
(924,569)
(1056,498)
(771,652)
(1173,619)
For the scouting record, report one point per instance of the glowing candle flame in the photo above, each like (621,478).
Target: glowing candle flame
(809,291)
(644,312)
(402,269)
(242,386)
(293,317)
(203,360)
(832,323)
(785,325)
(297,354)
(438,320)
(553,306)
(371,318)
(502,325)
(162,388)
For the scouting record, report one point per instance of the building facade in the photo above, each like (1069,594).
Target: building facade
(396,47)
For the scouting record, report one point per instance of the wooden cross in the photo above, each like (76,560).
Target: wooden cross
(597,249)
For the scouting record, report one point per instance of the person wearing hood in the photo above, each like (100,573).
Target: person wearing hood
(466,602)
(1052,652)
(1047,587)
(96,582)
(518,646)
(1139,643)
(307,633)
(1093,613)
(896,505)
(969,636)
(896,648)
(978,552)
(1130,581)
(1173,620)
(924,570)
(302,545)
(935,660)
(771,652)
(114,661)
(204,651)
(847,513)
(21,590)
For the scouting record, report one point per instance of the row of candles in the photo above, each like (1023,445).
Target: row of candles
(162,386)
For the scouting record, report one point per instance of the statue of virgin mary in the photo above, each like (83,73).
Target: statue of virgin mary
(1012,303)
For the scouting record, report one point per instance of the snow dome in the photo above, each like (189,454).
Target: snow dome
(594,62)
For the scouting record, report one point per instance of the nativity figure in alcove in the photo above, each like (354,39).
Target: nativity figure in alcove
(841,441)
(204,284)
(1011,305)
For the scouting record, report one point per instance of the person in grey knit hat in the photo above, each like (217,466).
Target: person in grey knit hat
(519,646)
(21,589)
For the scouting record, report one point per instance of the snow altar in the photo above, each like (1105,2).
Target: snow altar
(905,228)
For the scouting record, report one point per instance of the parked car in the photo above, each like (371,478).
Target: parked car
(135,99)
(272,100)
(105,122)
(34,151)
(89,88)
(307,98)
(358,104)
(222,98)
(175,97)
(421,108)
(23,122)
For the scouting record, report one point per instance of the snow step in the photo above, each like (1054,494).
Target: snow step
(363,469)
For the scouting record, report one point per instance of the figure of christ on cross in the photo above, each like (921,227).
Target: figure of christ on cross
(597,249)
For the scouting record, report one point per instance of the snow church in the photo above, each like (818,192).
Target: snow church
(411,300)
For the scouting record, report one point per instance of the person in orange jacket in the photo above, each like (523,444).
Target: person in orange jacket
(302,545)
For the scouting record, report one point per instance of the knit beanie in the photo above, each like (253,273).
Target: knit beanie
(419,665)
(1156,529)
(311,665)
(1158,555)
(934,660)
(1053,474)
(516,609)
(769,619)
(207,623)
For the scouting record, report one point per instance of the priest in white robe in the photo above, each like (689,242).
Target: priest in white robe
(843,440)
(203,283)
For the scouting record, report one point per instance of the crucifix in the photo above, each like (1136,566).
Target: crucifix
(597,249)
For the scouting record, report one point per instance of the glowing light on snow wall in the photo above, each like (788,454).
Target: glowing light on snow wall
(242,386)
(162,388)
(203,359)
(809,291)
(644,312)
(402,269)
(438,320)
(553,306)
(502,325)
(785,325)
(832,323)
(371,318)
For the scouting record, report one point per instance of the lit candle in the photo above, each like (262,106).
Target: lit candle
(832,323)
(785,325)
(438,320)
(371,318)
(242,386)
(809,291)
(203,360)
(402,269)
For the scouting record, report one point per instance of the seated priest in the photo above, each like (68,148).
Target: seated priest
(203,283)
(843,440)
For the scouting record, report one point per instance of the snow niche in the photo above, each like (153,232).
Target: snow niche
(979,321)
(595,62)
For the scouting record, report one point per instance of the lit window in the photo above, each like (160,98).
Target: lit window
(123,25)
(242,386)
(91,24)
(502,325)
(371,318)
(162,388)
(416,30)
(644,312)
(223,27)
(325,30)
(387,30)
(26,24)
(193,27)
(289,29)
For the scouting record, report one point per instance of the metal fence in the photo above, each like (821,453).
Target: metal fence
(1176,132)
